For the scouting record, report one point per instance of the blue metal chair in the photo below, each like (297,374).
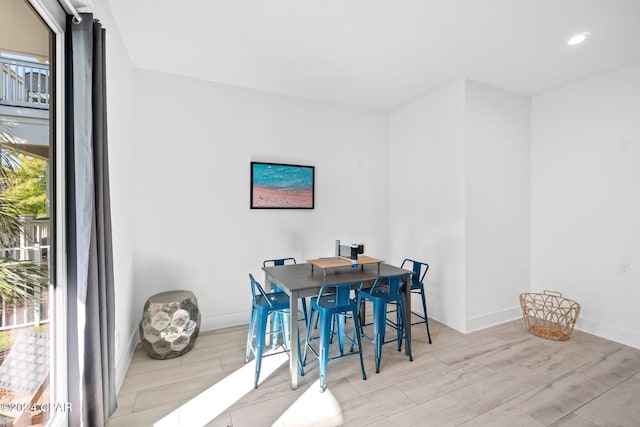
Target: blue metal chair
(417,286)
(265,304)
(279,262)
(333,301)
(386,290)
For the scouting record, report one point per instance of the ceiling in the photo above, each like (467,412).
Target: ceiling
(22,31)
(379,54)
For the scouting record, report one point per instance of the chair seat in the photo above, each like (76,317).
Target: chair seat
(416,286)
(325,303)
(277,301)
(380,292)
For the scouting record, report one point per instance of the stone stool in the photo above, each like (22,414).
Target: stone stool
(170,324)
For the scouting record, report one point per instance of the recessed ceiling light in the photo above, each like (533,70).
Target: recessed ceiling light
(578,38)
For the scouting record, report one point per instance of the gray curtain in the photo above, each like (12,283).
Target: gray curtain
(91,355)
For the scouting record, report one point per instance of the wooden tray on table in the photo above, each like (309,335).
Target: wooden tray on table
(338,262)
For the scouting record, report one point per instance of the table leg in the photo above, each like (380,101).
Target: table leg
(362,311)
(294,336)
(268,286)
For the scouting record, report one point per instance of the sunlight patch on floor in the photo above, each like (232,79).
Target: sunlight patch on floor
(313,409)
(206,406)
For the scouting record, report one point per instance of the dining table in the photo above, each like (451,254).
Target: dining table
(302,281)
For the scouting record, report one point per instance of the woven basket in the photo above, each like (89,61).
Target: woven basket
(549,315)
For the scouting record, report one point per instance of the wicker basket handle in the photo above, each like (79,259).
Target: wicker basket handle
(553,293)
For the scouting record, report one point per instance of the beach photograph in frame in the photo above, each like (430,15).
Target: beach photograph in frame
(281,186)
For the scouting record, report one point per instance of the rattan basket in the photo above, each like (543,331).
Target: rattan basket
(549,314)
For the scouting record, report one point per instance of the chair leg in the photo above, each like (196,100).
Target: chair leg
(379,330)
(356,329)
(276,319)
(325,336)
(424,310)
(377,344)
(361,311)
(285,319)
(252,325)
(261,320)
(340,320)
(303,362)
(304,311)
(300,368)
(334,325)
(399,327)
(406,325)
(357,325)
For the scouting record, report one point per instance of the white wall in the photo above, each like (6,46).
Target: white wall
(193,226)
(427,196)
(460,200)
(586,200)
(120,117)
(498,204)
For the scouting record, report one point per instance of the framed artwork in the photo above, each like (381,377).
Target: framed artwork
(282,186)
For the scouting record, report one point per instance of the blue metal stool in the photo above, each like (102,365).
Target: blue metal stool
(417,286)
(286,261)
(386,290)
(265,304)
(333,301)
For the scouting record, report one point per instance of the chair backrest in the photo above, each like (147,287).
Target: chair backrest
(278,262)
(393,284)
(338,295)
(257,290)
(419,269)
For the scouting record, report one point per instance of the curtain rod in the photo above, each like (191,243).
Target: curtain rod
(72,9)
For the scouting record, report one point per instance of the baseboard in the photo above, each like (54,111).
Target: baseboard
(609,332)
(445,323)
(122,365)
(492,319)
(220,321)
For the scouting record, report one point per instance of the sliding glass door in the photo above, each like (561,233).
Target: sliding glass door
(32,292)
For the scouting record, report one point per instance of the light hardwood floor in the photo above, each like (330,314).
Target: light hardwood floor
(500,376)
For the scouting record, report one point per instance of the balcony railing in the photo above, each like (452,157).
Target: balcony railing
(32,246)
(24,83)
(32,310)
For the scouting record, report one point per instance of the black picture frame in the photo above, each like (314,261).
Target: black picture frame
(282,186)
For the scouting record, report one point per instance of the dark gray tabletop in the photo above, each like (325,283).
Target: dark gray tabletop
(298,277)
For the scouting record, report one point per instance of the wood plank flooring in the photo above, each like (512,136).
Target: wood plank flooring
(500,376)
